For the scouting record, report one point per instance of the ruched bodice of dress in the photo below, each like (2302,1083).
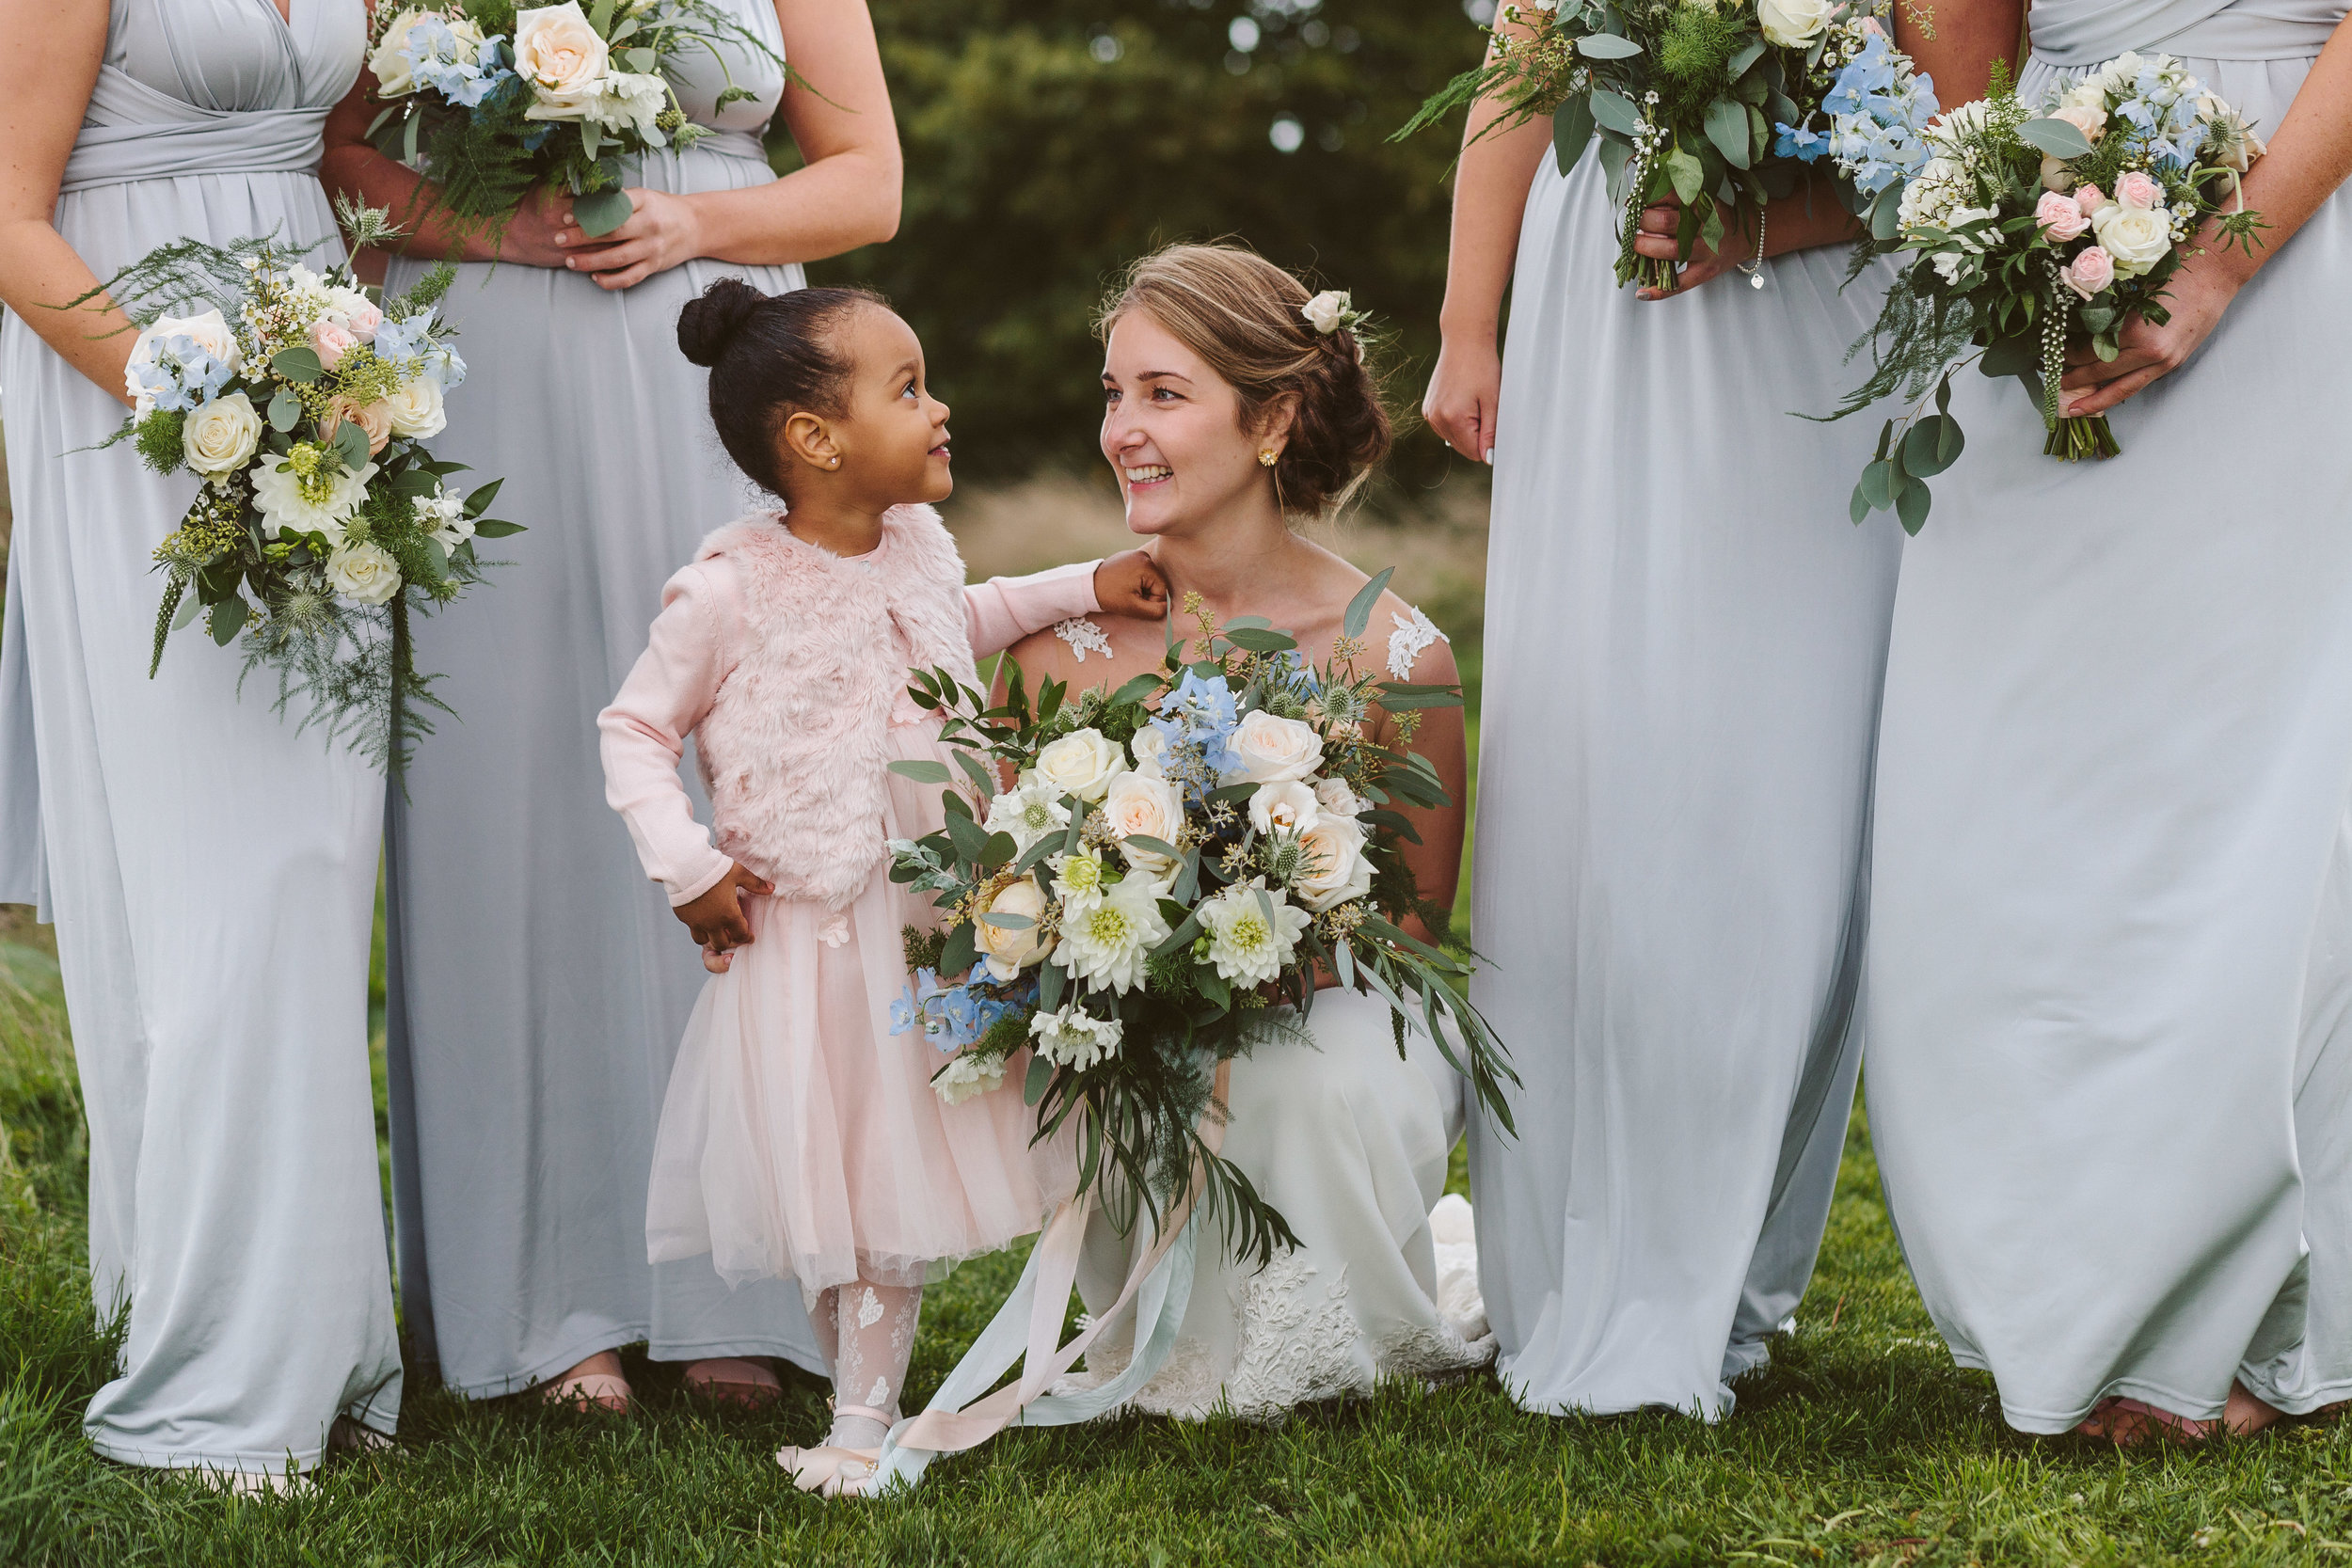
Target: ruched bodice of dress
(735,157)
(2073,33)
(215,86)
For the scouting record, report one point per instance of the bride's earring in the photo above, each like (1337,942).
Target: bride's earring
(1267,458)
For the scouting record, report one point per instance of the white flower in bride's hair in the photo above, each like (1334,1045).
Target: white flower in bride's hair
(1328,311)
(364,574)
(1252,932)
(1289,807)
(1006,950)
(1106,945)
(222,436)
(1792,24)
(1075,1038)
(1029,810)
(1080,763)
(966,1076)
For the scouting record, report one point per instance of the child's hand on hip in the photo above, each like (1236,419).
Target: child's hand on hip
(1131,583)
(716,919)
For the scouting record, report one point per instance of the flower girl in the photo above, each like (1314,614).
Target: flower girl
(801,1137)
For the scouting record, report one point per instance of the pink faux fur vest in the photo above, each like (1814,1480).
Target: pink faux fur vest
(793,748)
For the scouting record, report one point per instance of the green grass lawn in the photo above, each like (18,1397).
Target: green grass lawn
(1862,1443)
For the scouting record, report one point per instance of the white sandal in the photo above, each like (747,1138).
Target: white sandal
(834,1472)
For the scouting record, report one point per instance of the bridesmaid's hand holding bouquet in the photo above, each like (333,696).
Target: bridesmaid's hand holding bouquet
(300,403)
(2034,237)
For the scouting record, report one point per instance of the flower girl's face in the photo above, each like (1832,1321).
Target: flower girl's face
(1172,429)
(893,442)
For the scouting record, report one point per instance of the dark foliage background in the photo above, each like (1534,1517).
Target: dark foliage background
(1050,142)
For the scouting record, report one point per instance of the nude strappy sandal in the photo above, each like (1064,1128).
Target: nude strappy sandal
(831,1472)
(734,1381)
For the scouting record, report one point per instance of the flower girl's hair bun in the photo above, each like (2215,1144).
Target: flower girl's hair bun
(1247,318)
(771,355)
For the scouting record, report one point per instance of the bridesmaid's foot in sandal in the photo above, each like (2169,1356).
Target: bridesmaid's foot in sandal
(2245,1415)
(732,1380)
(2129,1423)
(596,1383)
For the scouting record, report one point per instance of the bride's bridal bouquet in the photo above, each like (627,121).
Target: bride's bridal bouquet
(299,405)
(1173,861)
(1714,103)
(2031,230)
(490,100)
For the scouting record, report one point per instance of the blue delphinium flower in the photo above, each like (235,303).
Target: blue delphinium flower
(1199,716)
(1800,142)
(439,61)
(181,375)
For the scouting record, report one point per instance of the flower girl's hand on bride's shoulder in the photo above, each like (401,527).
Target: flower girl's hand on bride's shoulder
(716,919)
(1131,583)
(1464,392)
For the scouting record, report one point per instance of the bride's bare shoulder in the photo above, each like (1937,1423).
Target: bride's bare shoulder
(1083,650)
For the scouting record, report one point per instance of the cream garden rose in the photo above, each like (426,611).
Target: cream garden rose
(1792,24)
(1336,799)
(2137,237)
(1150,750)
(416,410)
(1142,805)
(221,436)
(364,574)
(1337,868)
(562,58)
(1006,950)
(391,61)
(1081,763)
(1285,808)
(1276,751)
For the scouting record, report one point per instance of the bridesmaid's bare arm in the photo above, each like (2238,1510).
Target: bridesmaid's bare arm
(2309,159)
(352,167)
(846,195)
(47,68)
(1956,41)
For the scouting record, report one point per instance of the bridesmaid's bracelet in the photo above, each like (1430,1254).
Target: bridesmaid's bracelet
(1755,269)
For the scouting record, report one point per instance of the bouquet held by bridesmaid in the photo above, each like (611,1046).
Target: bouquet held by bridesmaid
(1714,104)
(2033,232)
(302,410)
(490,102)
(1175,859)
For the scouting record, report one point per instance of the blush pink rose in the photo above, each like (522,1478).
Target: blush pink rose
(1870,26)
(2089,272)
(2136,190)
(2092,122)
(365,319)
(2061,218)
(330,343)
(2091,198)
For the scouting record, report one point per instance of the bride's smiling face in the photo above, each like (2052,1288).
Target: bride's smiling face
(1172,429)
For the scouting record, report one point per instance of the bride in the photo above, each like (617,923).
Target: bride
(1229,413)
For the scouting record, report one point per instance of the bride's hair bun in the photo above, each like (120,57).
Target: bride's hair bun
(710,322)
(1244,316)
(771,355)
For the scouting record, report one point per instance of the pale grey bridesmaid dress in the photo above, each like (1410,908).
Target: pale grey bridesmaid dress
(210,871)
(2110,972)
(1685,638)
(539,982)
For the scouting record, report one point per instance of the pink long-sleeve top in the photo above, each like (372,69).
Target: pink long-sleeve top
(694,646)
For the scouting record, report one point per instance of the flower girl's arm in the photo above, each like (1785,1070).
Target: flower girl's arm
(1001,611)
(667,693)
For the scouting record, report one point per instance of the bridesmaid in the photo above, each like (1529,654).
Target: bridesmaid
(539,984)
(210,871)
(1684,645)
(2111,1054)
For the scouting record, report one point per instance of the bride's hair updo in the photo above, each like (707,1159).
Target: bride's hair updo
(1240,313)
(771,356)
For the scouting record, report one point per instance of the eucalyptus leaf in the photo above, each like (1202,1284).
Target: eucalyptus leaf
(1911,507)
(2056,137)
(1571,132)
(1748,56)
(188,607)
(1607,46)
(1858,506)
(351,444)
(599,213)
(1151,846)
(227,618)
(285,411)
(1615,112)
(1886,216)
(1040,1075)
(1727,128)
(961,952)
(921,771)
(1878,483)
(1359,609)
(1008,922)
(1259,641)
(295,364)
(1690,179)
(979,775)
(1932,445)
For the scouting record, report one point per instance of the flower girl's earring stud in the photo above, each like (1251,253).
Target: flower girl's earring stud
(1267,458)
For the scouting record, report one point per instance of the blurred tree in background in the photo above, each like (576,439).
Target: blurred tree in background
(1050,142)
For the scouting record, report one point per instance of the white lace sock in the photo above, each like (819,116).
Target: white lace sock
(873,1338)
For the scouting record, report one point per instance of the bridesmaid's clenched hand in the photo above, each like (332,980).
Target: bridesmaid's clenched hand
(2195,298)
(661,233)
(1464,394)
(1655,239)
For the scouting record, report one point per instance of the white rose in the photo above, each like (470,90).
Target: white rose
(1285,808)
(365,573)
(1276,751)
(1150,749)
(1337,868)
(391,61)
(1327,311)
(563,59)
(1336,799)
(1004,952)
(222,436)
(1143,805)
(1080,763)
(416,409)
(2137,238)
(1792,24)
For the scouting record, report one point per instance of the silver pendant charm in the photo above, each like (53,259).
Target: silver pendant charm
(1756,280)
